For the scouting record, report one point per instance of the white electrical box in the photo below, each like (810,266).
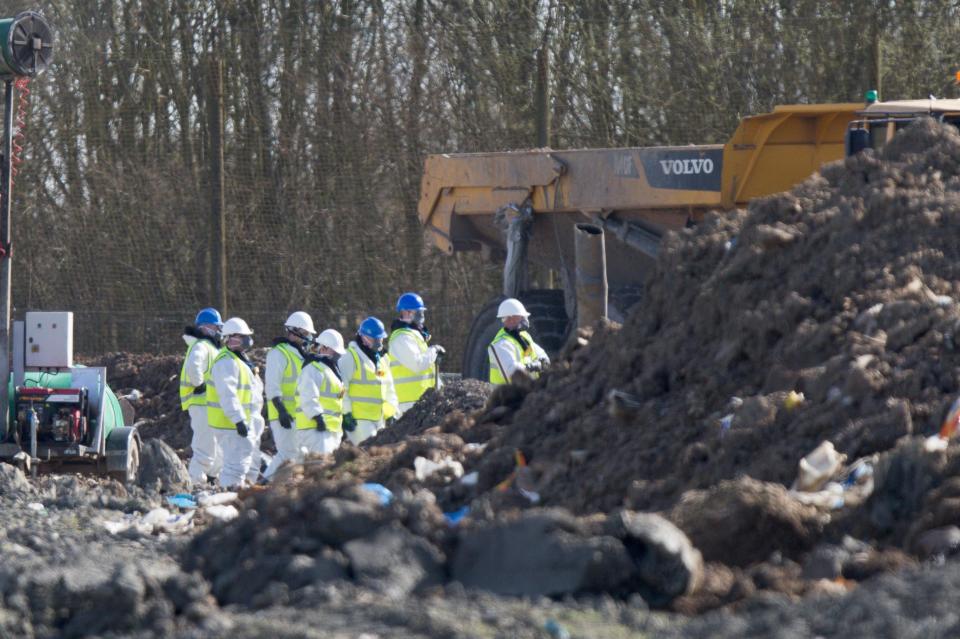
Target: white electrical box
(48,339)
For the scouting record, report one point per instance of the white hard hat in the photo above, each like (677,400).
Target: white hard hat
(235,326)
(301,320)
(332,340)
(511,306)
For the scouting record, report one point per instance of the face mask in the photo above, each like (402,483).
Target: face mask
(210,331)
(242,342)
(524,324)
(419,317)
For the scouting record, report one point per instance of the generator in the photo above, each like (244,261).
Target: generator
(56,415)
(64,416)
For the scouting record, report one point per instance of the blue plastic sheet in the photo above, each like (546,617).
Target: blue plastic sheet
(453,518)
(183,500)
(380,491)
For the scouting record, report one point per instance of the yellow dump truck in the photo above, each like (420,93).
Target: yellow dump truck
(555,208)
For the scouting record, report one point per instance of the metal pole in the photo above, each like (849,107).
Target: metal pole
(6,195)
(218,226)
(542,97)
(591,281)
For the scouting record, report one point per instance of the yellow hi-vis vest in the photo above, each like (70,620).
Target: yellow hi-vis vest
(368,388)
(331,400)
(288,383)
(525,357)
(216,418)
(187,397)
(410,384)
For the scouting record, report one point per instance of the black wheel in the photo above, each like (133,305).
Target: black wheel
(549,325)
(129,474)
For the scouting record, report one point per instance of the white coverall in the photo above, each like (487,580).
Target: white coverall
(311,440)
(508,356)
(206,458)
(238,452)
(404,349)
(259,425)
(365,427)
(284,438)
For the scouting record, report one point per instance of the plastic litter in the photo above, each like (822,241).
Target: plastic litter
(951,421)
(380,491)
(725,423)
(532,496)
(555,630)
(425,468)
(222,512)
(182,500)
(470,479)
(474,447)
(453,518)
(793,400)
(215,499)
(859,472)
(158,520)
(818,467)
(36,507)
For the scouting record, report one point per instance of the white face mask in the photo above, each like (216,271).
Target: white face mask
(240,342)
(375,345)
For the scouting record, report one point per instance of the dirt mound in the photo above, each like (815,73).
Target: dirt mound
(157,380)
(843,289)
(456,397)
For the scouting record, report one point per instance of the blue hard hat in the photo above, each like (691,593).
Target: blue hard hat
(208,316)
(373,328)
(410,302)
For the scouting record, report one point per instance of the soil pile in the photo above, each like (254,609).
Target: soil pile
(156,402)
(844,289)
(457,397)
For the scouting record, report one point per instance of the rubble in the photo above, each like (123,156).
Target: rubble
(161,469)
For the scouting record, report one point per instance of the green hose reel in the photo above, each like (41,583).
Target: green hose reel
(26,45)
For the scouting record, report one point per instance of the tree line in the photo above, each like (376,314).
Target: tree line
(328,109)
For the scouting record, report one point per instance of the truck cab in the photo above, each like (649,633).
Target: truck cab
(878,122)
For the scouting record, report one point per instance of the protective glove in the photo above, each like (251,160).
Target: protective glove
(318,419)
(242,429)
(390,421)
(201,389)
(349,423)
(283,415)
(534,367)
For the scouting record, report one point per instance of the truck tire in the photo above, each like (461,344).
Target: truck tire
(549,326)
(128,447)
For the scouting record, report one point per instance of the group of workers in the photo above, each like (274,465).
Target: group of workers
(318,390)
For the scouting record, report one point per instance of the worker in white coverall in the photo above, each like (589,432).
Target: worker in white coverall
(234,400)
(203,344)
(284,362)
(320,392)
(371,399)
(512,348)
(413,363)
